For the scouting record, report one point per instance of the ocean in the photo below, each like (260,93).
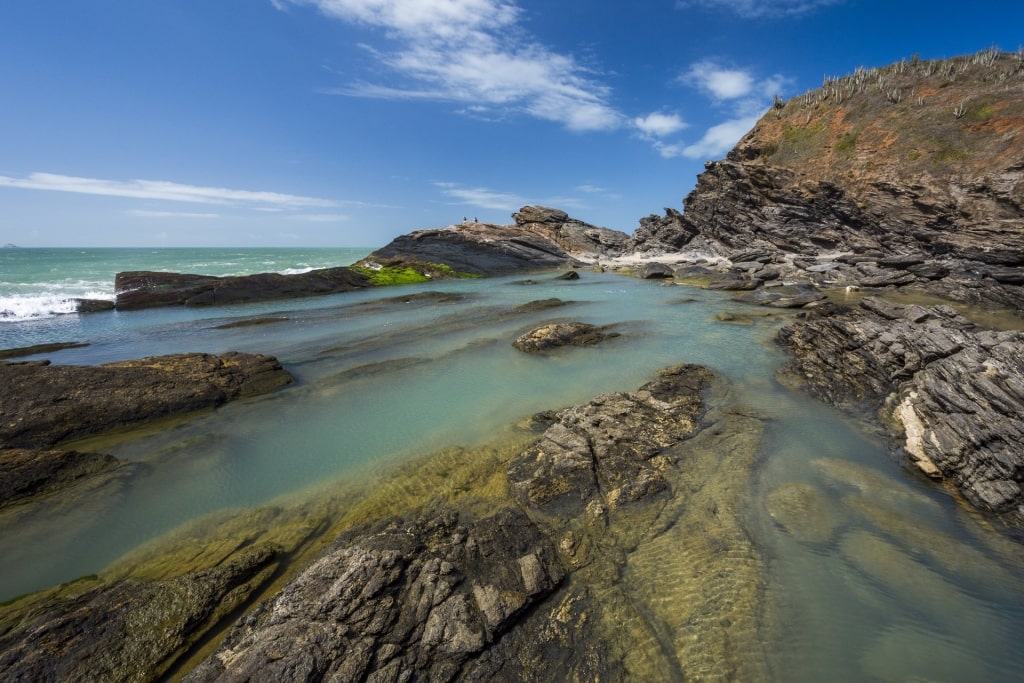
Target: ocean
(40,283)
(881,593)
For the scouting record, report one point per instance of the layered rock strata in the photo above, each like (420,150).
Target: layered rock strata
(951,395)
(526,590)
(908,176)
(541,238)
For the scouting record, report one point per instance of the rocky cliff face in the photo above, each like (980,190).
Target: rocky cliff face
(540,238)
(910,175)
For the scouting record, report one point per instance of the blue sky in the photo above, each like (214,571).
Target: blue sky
(349,122)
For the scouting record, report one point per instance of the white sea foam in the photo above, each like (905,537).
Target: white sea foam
(34,306)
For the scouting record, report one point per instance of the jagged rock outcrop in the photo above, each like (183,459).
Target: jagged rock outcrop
(531,589)
(952,395)
(907,176)
(149,289)
(541,238)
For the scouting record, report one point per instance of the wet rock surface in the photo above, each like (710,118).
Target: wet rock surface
(127,630)
(148,289)
(526,590)
(951,395)
(25,474)
(60,402)
(555,335)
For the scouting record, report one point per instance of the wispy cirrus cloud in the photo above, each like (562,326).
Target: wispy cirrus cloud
(482,198)
(477,53)
(161,190)
(755,9)
(146,213)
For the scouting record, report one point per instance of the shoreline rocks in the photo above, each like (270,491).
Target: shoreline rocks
(148,289)
(950,395)
(60,402)
(541,238)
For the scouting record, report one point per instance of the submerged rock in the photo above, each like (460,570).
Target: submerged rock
(25,474)
(528,587)
(802,510)
(547,337)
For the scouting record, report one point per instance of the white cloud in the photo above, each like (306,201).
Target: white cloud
(718,139)
(659,125)
(159,189)
(482,197)
(321,217)
(720,82)
(753,9)
(475,52)
(144,213)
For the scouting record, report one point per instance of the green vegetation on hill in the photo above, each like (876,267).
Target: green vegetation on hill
(922,116)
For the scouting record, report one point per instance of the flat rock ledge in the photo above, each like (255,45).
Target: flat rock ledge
(149,289)
(951,395)
(57,403)
(60,402)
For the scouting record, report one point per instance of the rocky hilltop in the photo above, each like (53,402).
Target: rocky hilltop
(541,237)
(911,176)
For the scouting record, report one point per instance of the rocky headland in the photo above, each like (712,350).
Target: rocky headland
(903,180)
(507,563)
(540,238)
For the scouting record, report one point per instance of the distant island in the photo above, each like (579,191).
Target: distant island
(10,246)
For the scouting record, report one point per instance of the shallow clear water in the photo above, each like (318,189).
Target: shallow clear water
(885,594)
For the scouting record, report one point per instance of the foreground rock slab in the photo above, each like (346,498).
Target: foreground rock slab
(60,402)
(951,395)
(528,586)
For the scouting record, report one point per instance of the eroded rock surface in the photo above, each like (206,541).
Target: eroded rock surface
(862,184)
(953,395)
(540,238)
(532,589)
(555,335)
(60,402)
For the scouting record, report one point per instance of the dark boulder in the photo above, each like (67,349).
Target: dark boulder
(547,337)
(25,474)
(786,296)
(657,271)
(147,289)
(58,402)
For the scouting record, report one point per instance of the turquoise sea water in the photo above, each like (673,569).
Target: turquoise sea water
(380,380)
